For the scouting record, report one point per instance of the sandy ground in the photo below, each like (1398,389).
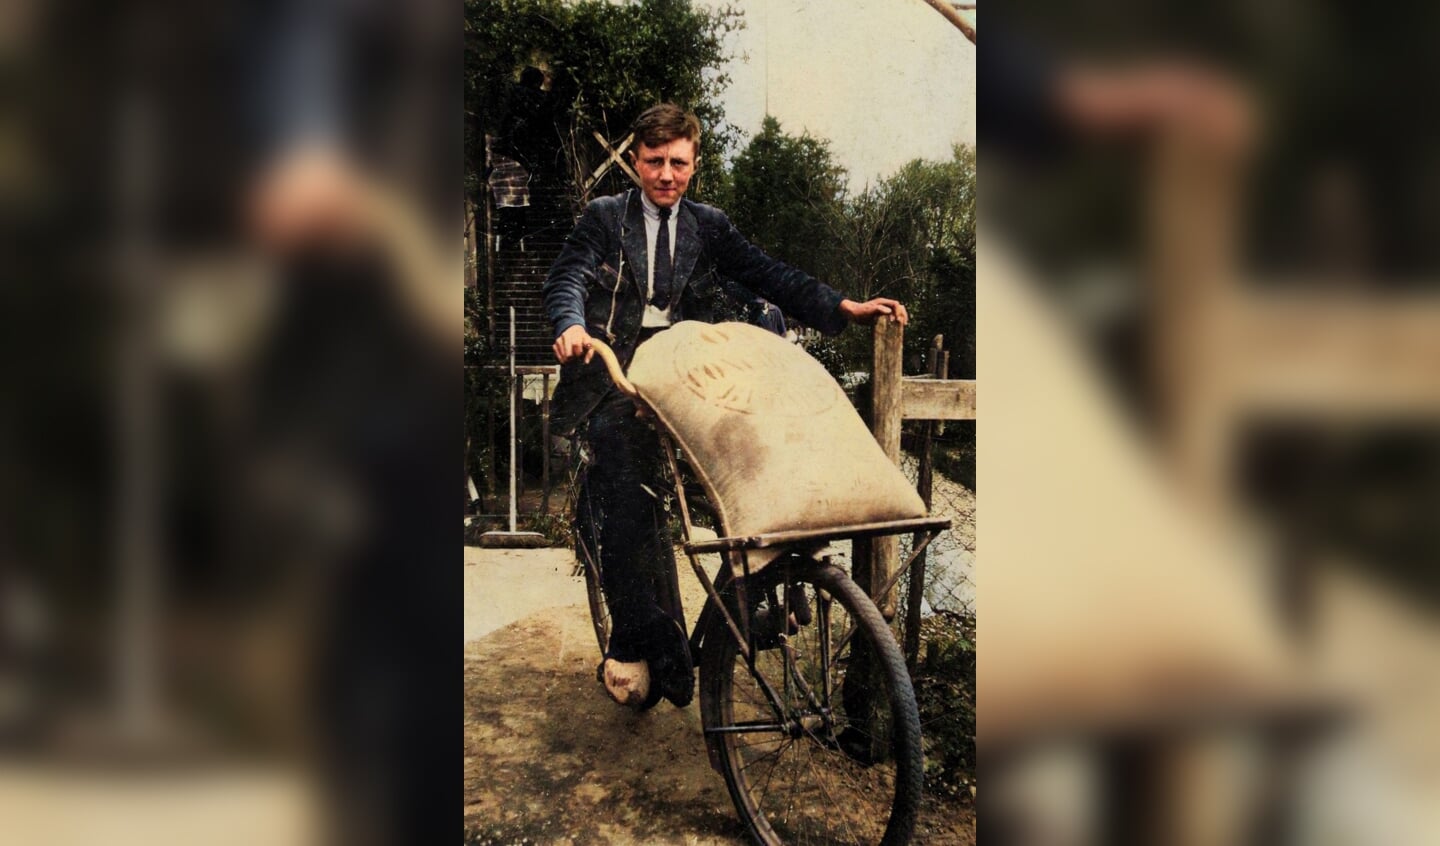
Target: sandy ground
(515,583)
(549,759)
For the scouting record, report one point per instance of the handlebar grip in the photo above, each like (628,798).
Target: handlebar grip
(612,364)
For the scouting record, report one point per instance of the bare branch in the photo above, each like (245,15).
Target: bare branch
(954,17)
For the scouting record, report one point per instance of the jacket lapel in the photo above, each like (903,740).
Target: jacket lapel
(632,240)
(687,248)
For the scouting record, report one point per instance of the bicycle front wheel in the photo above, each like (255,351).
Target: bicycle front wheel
(819,737)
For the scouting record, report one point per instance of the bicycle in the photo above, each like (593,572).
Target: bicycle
(807,709)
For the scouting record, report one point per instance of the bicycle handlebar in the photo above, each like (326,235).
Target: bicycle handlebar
(612,364)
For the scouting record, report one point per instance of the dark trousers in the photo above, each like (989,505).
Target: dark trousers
(620,520)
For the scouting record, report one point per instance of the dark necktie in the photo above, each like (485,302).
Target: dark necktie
(664,270)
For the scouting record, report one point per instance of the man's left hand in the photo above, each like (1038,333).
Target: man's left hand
(871,310)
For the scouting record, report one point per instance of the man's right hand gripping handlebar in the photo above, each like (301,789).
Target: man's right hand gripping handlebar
(575,342)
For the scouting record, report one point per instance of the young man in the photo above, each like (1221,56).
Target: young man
(636,263)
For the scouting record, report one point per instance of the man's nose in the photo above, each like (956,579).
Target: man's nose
(666,173)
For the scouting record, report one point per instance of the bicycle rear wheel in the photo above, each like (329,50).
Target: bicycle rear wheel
(595,596)
(839,760)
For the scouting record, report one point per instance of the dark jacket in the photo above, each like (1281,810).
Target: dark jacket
(599,282)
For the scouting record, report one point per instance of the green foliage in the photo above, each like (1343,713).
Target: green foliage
(840,355)
(945,691)
(912,237)
(558,529)
(787,195)
(482,387)
(786,190)
(935,202)
(609,63)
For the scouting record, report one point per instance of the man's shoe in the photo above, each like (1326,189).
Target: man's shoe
(627,682)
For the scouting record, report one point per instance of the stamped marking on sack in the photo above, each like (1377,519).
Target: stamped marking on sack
(733,373)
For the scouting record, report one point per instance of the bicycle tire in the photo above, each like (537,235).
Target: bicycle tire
(803,785)
(595,598)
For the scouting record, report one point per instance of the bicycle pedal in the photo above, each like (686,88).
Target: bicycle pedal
(767,627)
(800,606)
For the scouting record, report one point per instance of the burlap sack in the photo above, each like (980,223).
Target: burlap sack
(775,441)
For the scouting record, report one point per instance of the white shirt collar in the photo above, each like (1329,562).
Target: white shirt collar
(652,211)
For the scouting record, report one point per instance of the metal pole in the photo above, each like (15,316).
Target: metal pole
(513,515)
(545,442)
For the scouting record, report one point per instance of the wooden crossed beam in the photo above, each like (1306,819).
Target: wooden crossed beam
(614,157)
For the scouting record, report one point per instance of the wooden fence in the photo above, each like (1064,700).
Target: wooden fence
(896,398)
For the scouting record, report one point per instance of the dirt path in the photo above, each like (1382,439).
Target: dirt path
(550,760)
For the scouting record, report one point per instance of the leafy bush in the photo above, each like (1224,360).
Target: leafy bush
(945,687)
(608,63)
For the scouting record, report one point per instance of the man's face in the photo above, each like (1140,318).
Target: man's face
(665,170)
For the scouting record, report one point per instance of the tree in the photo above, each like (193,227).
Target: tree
(785,192)
(912,237)
(934,203)
(609,63)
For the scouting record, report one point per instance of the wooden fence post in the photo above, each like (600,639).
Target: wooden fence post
(923,483)
(886,408)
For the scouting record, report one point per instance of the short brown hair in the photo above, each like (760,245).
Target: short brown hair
(659,125)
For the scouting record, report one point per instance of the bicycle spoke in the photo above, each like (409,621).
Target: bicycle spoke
(831,819)
(770,773)
(848,830)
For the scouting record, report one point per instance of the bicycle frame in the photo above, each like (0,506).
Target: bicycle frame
(733,549)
